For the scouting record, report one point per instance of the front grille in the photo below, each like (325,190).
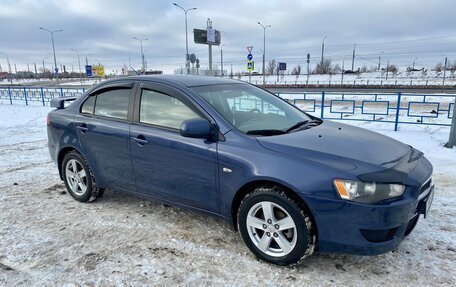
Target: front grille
(379,235)
(426,186)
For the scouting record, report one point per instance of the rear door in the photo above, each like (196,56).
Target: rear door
(103,128)
(167,165)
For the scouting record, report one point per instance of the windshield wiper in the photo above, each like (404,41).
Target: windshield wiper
(269,132)
(303,124)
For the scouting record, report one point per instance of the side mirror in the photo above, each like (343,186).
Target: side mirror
(196,128)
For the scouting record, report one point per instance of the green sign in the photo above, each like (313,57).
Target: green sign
(250,66)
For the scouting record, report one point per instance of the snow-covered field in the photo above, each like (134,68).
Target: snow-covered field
(49,239)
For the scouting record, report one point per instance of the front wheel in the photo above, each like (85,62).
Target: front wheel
(275,228)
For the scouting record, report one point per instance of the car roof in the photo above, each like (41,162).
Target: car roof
(186,80)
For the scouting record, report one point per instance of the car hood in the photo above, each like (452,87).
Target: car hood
(344,146)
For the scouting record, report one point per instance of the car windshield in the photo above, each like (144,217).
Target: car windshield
(254,111)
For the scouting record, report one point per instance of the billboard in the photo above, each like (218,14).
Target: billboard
(201,36)
(98,71)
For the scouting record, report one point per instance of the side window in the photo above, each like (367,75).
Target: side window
(88,105)
(113,103)
(163,110)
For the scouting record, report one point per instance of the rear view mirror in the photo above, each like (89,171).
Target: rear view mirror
(196,128)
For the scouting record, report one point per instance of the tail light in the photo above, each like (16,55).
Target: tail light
(48,120)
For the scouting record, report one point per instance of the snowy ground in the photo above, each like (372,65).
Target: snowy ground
(49,239)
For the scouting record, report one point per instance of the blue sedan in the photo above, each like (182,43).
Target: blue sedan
(290,183)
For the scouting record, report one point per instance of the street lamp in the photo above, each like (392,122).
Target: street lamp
(8,61)
(86,55)
(79,63)
(322,51)
(142,54)
(53,46)
(187,63)
(264,47)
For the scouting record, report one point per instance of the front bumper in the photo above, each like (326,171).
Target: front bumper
(364,229)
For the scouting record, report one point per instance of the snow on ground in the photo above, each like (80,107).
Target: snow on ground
(49,239)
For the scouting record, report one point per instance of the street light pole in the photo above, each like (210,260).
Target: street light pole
(8,61)
(187,62)
(79,63)
(322,50)
(142,54)
(264,48)
(53,47)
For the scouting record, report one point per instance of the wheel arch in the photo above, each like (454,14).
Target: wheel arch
(252,185)
(61,156)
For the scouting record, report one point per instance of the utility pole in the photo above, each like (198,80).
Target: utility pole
(413,65)
(264,49)
(353,58)
(187,57)
(342,80)
(379,57)
(36,72)
(444,74)
(322,51)
(308,69)
(221,60)
(387,68)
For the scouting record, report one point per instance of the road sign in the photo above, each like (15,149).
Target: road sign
(250,66)
(250,48)
(250,57)
(282,66)
(192,58)
(88,70)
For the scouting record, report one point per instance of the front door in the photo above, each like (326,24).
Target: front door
(167,165)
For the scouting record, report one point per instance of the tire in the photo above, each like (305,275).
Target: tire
(275,228)
(78,178)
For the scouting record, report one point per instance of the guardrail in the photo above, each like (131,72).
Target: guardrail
(394,108)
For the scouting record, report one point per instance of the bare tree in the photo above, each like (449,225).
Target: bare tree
(438,69)
(336,69)
(271,67)
(296,71)
(323,68)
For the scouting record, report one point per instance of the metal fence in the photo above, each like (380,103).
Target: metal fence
(394,108)
(36,96)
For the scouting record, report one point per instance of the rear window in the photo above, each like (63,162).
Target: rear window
(112,103)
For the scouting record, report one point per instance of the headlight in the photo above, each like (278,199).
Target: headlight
(367,192)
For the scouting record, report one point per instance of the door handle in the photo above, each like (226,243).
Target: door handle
(83,128)
(140,140)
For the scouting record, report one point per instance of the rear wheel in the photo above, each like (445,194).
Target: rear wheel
(78,178)
(275,228)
